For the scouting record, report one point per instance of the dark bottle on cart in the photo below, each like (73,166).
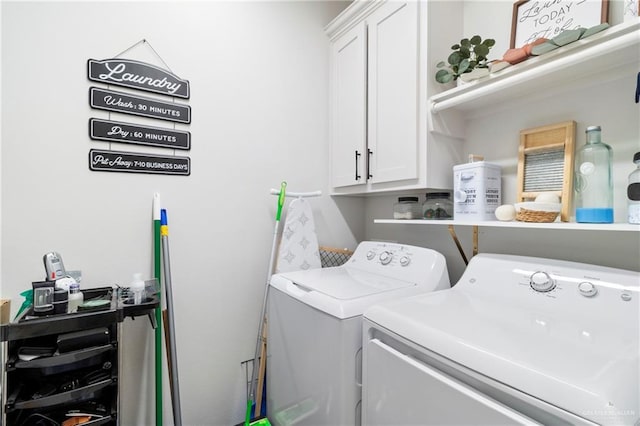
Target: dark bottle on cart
(594,183)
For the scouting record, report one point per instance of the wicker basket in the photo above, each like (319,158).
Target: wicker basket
(330,256)
(526,215)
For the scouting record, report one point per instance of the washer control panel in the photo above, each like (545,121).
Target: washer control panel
(555,281)
(393,255)
(401,261)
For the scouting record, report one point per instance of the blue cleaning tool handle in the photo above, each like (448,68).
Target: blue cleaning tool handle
(163,217)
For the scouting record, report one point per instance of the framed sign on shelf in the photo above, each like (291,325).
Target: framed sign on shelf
(534,19)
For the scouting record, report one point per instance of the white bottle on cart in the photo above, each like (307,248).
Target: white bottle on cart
(76,298)
(137,290)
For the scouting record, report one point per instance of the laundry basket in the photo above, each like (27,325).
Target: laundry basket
(330,256)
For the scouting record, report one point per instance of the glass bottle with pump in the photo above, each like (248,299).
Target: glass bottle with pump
(594,183)
(633,191)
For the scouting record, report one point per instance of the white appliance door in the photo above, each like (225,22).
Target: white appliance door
(427,396)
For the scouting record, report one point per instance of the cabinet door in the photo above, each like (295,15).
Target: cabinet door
(393,92)
(348,109)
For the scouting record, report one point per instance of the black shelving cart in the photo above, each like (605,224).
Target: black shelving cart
(59,366)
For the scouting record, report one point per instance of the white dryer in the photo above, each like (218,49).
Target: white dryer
(315,329)
(517,340)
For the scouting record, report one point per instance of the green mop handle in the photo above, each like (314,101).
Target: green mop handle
(254,373)
(283,187)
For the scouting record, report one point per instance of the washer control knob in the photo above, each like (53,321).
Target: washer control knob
(405,260)
(385,257)
(541,281)
(587,289)
(371,254)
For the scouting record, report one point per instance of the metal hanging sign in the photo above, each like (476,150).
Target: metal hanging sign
(137,75)
(130,162)
(111,100)
(116,131)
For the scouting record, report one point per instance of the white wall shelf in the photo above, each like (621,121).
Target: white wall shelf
(614,50)
(451,224)
(523,225)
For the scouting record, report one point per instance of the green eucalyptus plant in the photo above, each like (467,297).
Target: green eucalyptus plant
(466,56)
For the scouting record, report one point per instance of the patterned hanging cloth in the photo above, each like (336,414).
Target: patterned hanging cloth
(299,243)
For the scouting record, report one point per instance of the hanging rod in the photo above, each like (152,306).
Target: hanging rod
(297,194)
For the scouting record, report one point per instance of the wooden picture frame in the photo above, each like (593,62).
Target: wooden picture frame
(545,164)
(532,20)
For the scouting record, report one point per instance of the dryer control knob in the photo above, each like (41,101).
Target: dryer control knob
(405,260)
(371,254)
(541,281)
(587,289)
(385,257)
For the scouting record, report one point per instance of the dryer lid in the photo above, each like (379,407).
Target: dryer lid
(344,283)
(342,292)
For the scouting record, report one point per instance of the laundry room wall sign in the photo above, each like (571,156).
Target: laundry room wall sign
(111,100)
(116,131)
(138,75)
(116,161)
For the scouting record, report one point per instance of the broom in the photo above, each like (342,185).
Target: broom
(274,244)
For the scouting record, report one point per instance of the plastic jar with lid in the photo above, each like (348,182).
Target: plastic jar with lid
(75,297)
(438,206)
(407,208)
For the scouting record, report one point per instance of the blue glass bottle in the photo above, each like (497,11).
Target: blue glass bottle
(594,182)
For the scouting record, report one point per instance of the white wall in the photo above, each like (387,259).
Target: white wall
(607,102)
(259,83)
(259,80)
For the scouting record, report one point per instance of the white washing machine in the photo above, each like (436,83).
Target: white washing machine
(314,349)
(517,340)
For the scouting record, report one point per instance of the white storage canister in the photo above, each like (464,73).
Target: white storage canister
(476,191)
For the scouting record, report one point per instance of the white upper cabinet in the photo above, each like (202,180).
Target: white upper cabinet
(393,92)
(378,130)
(349,107)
